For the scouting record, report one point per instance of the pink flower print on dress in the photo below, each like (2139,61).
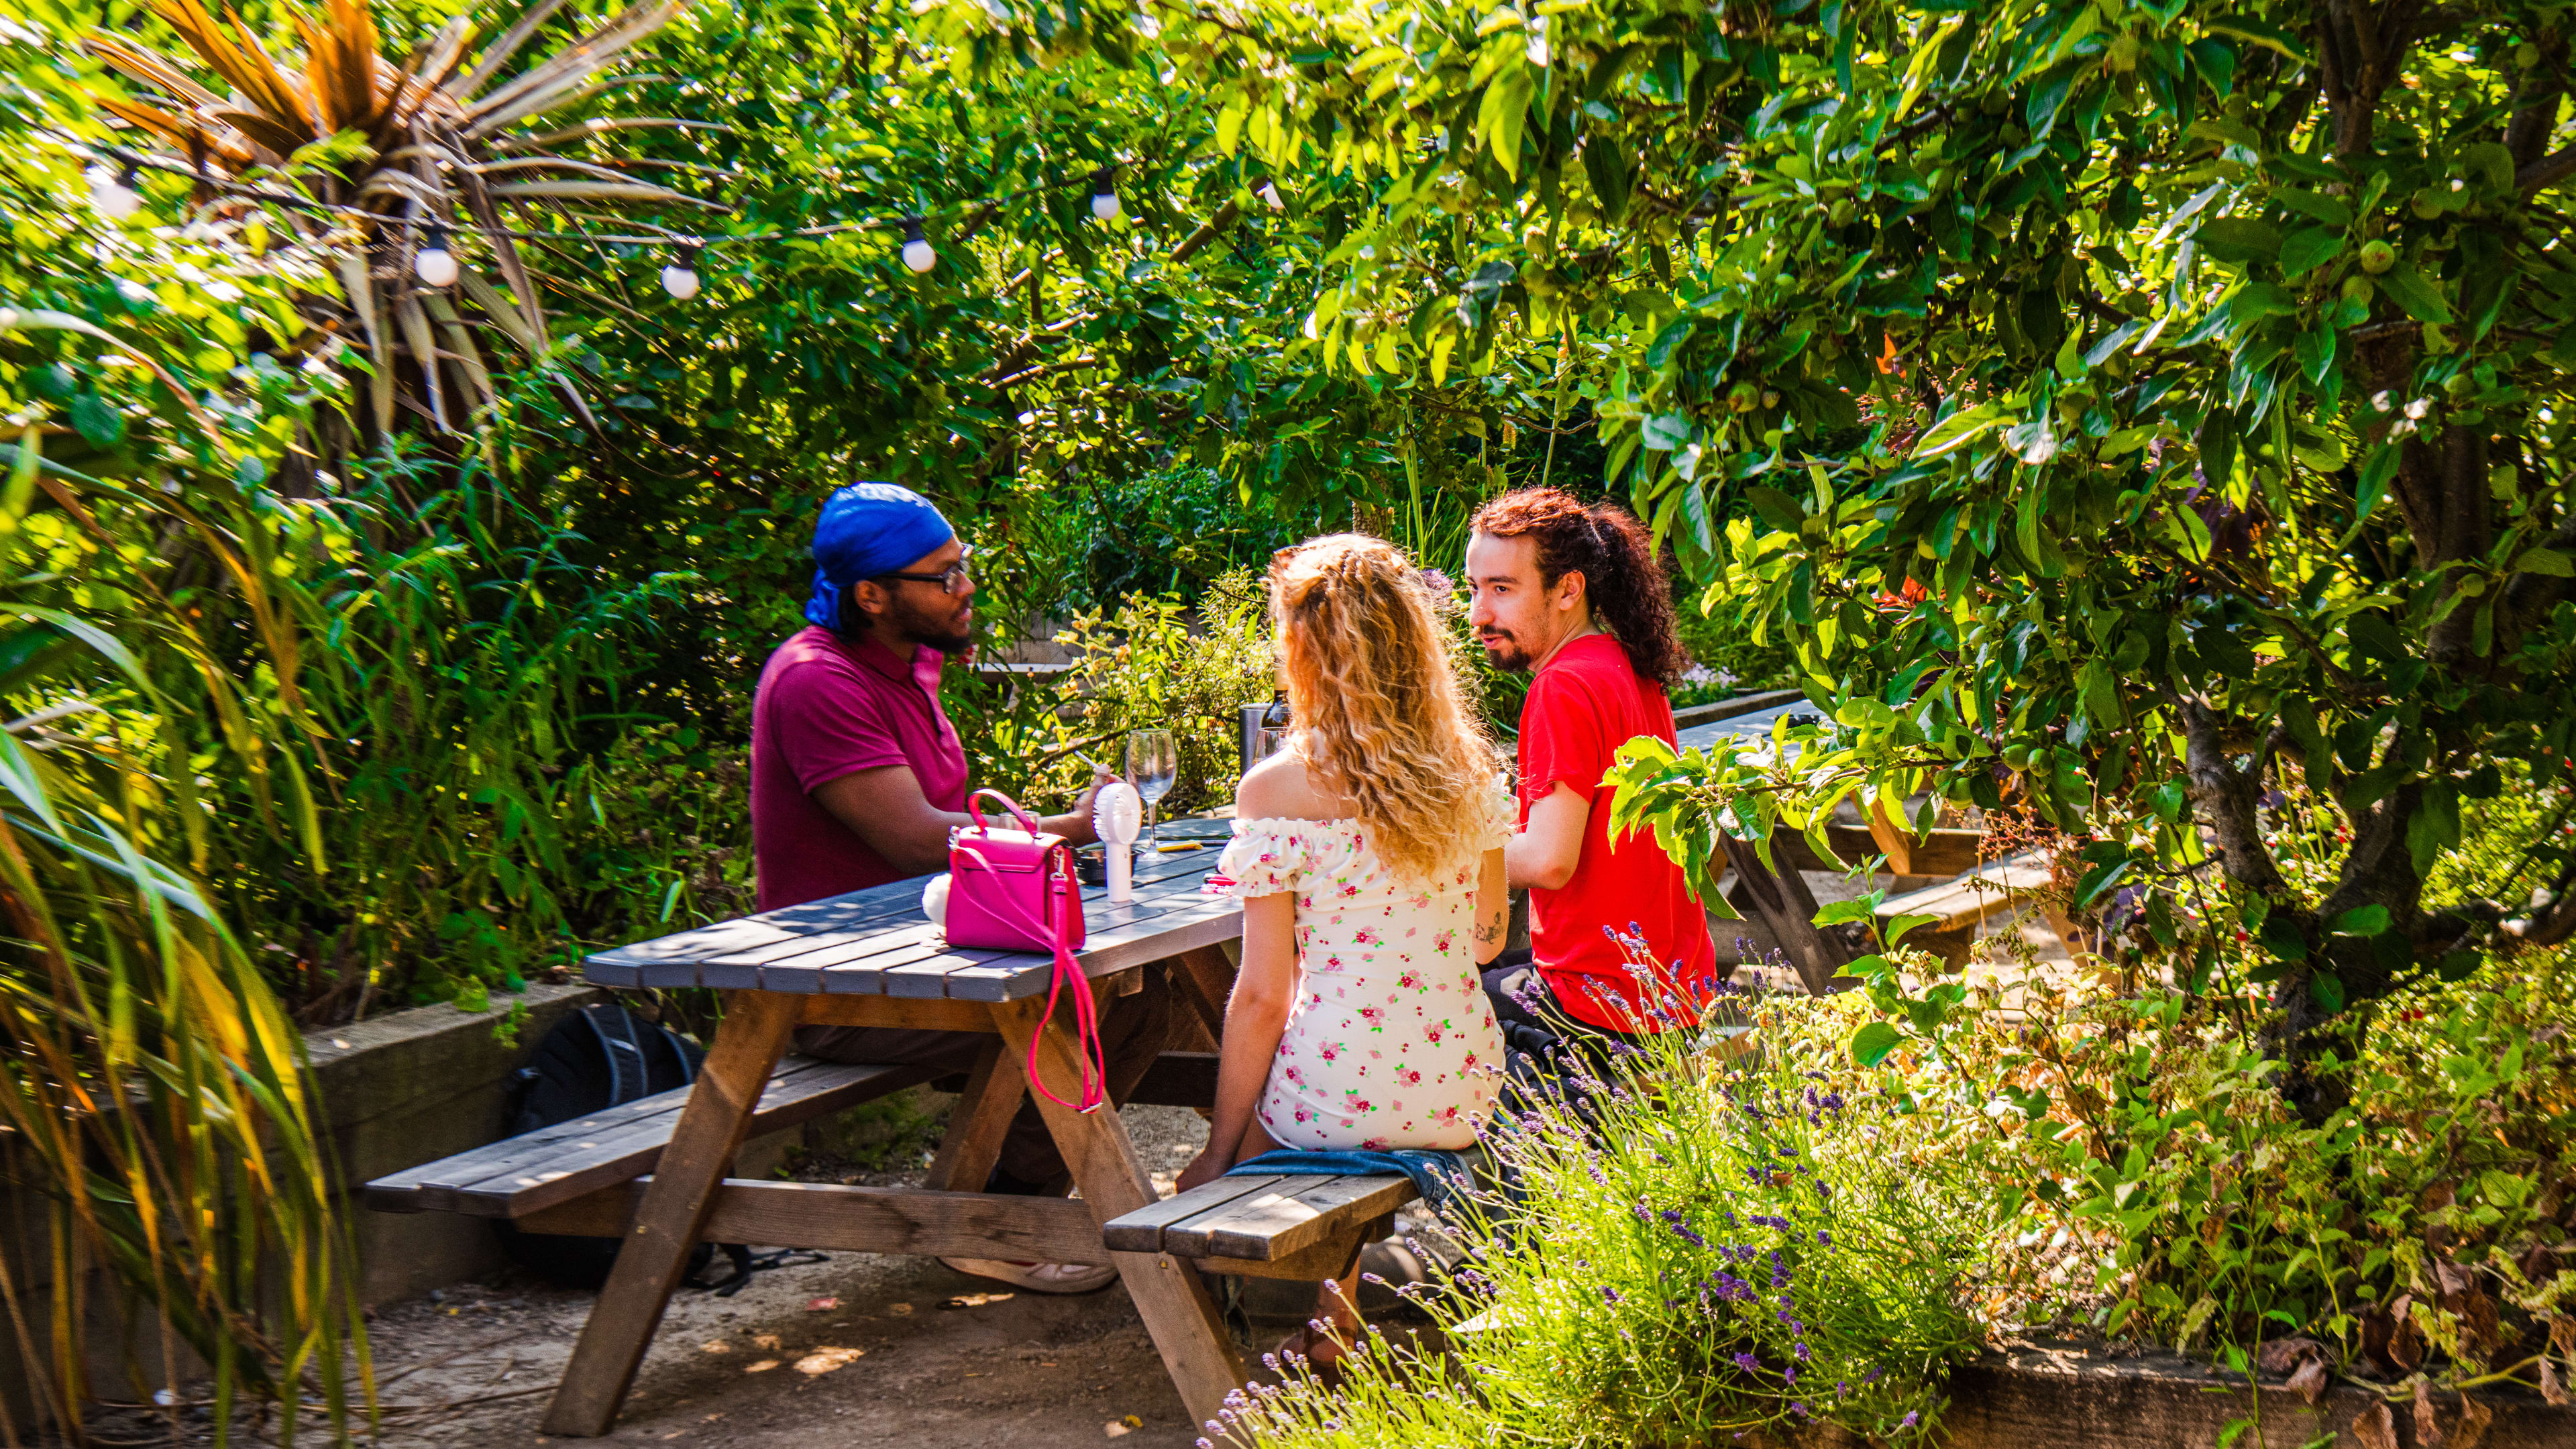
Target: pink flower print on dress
(1433,1034)
(1420,902)
(1292,1074)
(1444,941)
(1375,1016)
(1365,936)
(1409,981)
(1471,1060)
(1329,1051)
(1409,1077)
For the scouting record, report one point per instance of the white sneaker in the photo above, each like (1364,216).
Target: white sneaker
(1038,1277)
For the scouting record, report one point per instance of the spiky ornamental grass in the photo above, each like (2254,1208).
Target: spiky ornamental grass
(1719,1250)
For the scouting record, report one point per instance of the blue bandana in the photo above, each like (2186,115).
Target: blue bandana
(868,529)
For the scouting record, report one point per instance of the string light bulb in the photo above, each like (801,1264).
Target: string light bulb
(680,278)
(916,247)
(115,195)
(434,264)
(1104,194)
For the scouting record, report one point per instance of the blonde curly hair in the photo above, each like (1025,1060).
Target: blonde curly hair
(1382,720)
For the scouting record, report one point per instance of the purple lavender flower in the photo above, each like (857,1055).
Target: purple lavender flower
(1909,1421)
(1609,1294)
(1825,1238)
(1745,1361)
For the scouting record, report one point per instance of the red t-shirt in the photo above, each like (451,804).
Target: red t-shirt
(1584,704)
(829,707)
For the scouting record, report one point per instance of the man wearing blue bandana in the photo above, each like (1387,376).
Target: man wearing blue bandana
(857,777)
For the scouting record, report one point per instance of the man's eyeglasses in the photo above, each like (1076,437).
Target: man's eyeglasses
(952,580)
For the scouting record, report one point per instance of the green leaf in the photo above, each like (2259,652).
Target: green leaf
(2308,248)
(2326,990)
(1873,1041)
(2376,472)
(1956,431)
(2281,937)
(97,420)
(2262,33)
(1893,928)
(2420,298)
(2360,921)
(2239,239)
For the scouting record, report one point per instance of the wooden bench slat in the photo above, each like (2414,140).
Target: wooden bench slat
(1277,1225)
(479,1163)
(555,1164)
(1972,897)
(1142,1231)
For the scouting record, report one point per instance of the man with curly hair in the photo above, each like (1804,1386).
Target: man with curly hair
(1574,594)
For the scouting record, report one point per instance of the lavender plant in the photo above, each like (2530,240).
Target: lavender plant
(1676,1251)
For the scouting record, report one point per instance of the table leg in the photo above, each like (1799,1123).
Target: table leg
(1204,978)
(979,1122)
(1170,1295)
(656,1254)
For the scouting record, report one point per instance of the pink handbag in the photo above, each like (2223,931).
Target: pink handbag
(1014,890)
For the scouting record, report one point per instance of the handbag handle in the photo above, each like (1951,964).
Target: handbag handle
(1091,1057)
(1028,822)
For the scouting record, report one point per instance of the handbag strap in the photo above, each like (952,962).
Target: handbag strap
(975,813)
(1091,1058)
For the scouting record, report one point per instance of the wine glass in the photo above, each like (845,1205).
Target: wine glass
(1153,764)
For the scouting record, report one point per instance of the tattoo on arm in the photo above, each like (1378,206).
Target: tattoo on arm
(1490,933)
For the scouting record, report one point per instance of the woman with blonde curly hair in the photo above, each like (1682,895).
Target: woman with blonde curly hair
(1369,857)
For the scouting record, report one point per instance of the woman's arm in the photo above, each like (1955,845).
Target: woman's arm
(1493,908)
(1256,1014)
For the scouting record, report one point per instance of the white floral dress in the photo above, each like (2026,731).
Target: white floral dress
(1390,1041)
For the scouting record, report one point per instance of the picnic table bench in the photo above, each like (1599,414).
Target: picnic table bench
(652,1172)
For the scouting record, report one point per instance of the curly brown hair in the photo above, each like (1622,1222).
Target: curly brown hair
(1606,544)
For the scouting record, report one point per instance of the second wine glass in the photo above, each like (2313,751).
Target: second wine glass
(1153,765)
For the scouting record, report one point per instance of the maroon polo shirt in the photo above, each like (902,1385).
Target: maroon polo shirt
(829,707)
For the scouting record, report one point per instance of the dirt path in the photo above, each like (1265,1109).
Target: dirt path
(860,1350)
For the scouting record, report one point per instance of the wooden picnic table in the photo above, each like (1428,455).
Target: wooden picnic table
(870,958)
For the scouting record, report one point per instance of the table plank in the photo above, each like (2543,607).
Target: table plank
(876,942)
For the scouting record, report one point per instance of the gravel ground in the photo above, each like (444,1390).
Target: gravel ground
(860,1350)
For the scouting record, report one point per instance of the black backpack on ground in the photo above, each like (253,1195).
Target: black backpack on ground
(592,1060)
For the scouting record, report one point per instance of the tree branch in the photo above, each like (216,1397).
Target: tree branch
(2548,171)
(2226,797)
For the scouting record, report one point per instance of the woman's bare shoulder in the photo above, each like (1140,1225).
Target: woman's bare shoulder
(1273,788)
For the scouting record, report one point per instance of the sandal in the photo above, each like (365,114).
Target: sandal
(1322,1352)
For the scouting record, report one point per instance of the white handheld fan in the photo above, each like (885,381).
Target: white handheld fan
(1118,815)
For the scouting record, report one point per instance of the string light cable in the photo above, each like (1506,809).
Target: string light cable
(118,195)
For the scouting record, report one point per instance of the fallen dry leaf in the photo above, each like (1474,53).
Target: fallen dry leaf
(821,1305)
(1116,1430)
(765,1340)
(973,1300)
(2310,1379)
(2375,1427)
(899,1310)
(2550,1387)
(762,1367)
(2283,1355)
(2562,1333)
(2428,1425)
(2474,1417)
(824,1360)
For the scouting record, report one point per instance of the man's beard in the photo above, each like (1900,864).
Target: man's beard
(1505,653)
(940,632)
